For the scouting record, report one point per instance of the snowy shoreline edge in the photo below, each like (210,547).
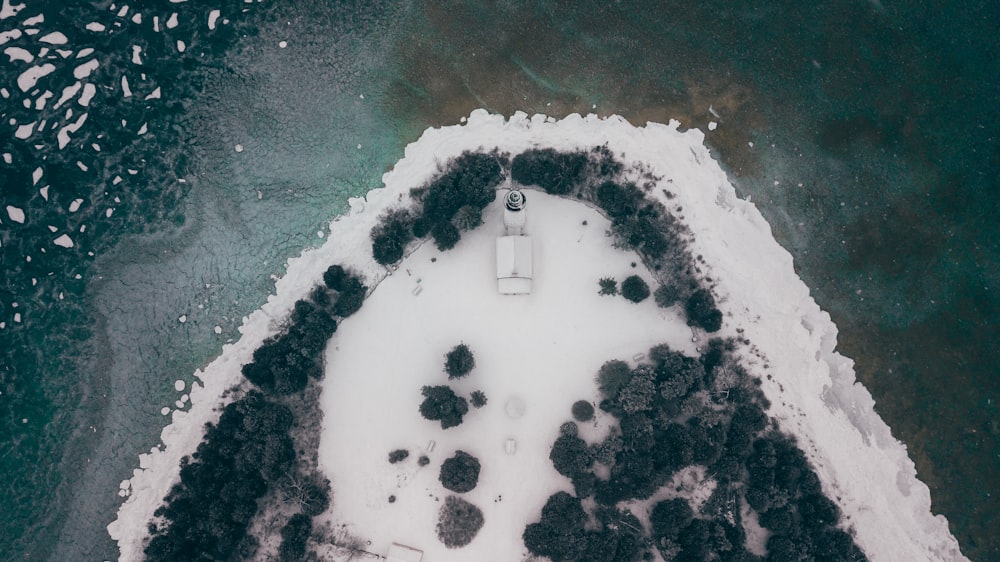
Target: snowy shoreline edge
(812,388)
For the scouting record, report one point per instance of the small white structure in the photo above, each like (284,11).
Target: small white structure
(403,553)
(514,255)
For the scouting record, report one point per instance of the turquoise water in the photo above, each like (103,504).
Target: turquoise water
(885,115)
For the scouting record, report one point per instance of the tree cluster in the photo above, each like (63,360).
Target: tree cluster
(284,363)
(562,536)
(458,522)
(205,516)
(558,173)
(447,205)
(672,416)
(459,361)
(442,404)
(460,472)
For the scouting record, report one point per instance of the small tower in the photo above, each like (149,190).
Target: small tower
(514,215)
(514,261)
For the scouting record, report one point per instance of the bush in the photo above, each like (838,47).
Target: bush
(446,235)
(295,537)
(583,411)
(351,297)
(608,286)
(669,517)
(460,473)
(459,361)
(468,218)
(635,289)
(570,456)
(398,455)
(612,376)
(391,235)
(335,276)
(478,399)
(666,296)
(702,312)
(424,460)
(471,180)
(619,200)
(560,533)
(458,522)
(442,404)
(556,172)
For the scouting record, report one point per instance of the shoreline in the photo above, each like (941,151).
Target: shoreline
(717,218)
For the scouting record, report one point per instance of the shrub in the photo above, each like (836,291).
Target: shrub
(295,537)
(555,172)
(635,289)
(478,399)
(335,276)
(446,235)
(442,404)
(666,296)
(570,456)
(424,460)
(608,286)
(458,522)
(470,180)
(459,361)
(702,312)
(669,517)
(468,218)
(619,200)
(583,411)
(398,455)
(351,297)
(560,533)
(390,236)
(612,377)
(460,473)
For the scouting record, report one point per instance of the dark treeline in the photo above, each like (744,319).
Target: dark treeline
(450,203)
(453,202)
(250,450)
(676,412)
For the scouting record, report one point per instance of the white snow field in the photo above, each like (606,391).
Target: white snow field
(812,388)
(542,349)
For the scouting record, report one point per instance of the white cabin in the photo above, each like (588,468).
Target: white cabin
(514,263)
(403,553)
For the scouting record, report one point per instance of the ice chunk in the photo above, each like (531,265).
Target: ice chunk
(8,10)
(8,158)
(712,125)
(17,53)
(179,385)
(68,93)
(143,129)
(126,91)
(65,241)
(15,214)
(85,69)
(213,16)
(30,77)
(180,46)
(44,192)
(54,38)
(63,135)
(24,131)
(36,175)
(172,21)
(34,20)
(136,59)
(88,94)
(75,205)
(154,95)
(95,27)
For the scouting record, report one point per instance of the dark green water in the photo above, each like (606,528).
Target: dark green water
(886,115)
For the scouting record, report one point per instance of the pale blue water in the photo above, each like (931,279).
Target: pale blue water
(887,115)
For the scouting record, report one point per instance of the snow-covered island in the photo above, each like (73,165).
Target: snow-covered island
(453,422)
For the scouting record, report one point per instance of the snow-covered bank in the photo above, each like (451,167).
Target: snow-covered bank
(812,388)
(542,349)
